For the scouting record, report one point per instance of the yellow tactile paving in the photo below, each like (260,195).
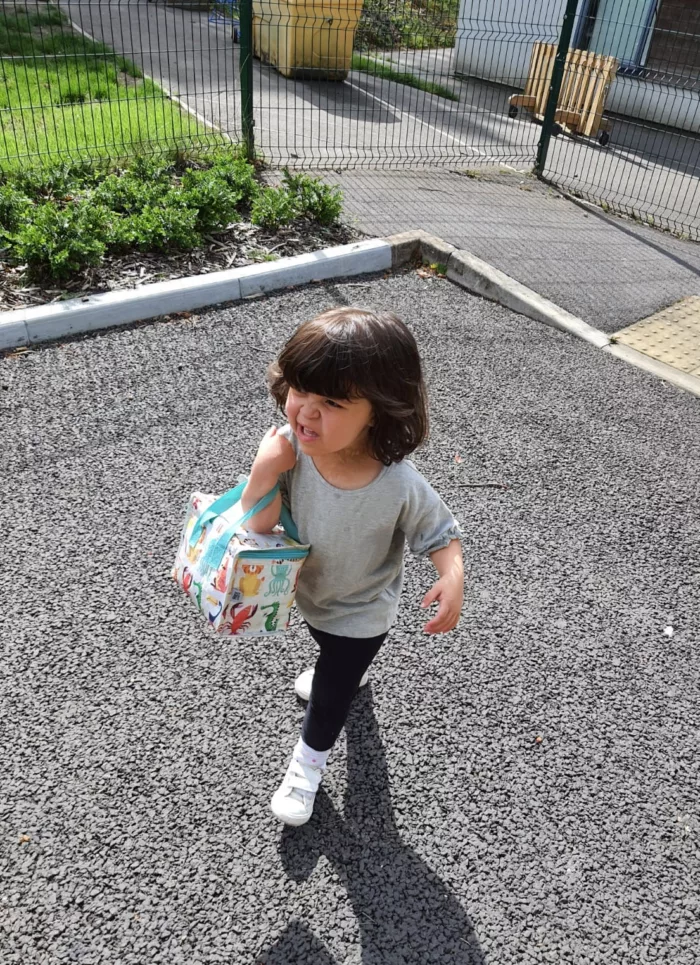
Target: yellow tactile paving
(671,336)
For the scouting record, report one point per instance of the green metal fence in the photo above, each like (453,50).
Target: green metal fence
(381,83)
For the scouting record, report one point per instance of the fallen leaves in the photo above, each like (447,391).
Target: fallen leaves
(435,270)
(18,353)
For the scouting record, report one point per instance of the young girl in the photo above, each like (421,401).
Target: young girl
(351,385)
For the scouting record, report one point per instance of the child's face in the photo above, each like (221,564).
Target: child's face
(325,426)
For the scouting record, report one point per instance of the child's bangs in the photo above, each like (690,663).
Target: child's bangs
(321,366)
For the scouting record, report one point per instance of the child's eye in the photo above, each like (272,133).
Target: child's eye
(333,404)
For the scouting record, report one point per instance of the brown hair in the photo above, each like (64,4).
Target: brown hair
(351,353)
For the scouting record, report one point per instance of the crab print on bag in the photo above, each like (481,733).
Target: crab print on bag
(244,587)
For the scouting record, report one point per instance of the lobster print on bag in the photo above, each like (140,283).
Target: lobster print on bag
(242,582)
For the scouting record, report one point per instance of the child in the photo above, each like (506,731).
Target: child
(351,385)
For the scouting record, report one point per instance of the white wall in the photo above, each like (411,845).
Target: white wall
(495,37)
(654,102)
(494,42)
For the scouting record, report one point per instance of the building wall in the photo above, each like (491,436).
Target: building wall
(675,42)
(494,42)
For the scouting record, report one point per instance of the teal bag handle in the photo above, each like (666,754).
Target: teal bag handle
(219,506)
(215,551)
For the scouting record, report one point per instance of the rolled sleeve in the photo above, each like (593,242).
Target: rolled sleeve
(427,523)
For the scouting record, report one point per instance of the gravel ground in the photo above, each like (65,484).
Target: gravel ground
(523,790)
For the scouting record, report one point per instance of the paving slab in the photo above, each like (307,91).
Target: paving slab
(672,336)
(521,791)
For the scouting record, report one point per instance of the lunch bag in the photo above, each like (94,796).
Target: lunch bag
(243,583)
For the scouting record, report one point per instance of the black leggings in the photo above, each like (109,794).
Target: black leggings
(337,675)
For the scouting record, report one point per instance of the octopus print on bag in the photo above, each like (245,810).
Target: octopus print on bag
(242,582)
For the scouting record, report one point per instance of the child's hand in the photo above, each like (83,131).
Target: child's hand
(449,592)
(275,456)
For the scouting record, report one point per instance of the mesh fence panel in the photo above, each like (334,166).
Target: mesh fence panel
(379,83)
(91,78)
(650,166)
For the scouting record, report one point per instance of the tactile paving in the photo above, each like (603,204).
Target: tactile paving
(671,336)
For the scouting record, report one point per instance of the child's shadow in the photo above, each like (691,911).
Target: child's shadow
(405,913)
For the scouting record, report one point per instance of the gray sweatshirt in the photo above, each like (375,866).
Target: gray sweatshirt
(351,582)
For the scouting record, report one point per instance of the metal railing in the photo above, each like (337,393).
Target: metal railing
(385,83)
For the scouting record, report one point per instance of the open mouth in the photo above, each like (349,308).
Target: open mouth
(306,435)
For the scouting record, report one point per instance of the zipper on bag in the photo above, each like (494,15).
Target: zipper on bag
(273,554)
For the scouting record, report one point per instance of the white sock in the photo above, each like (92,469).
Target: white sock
(307,755)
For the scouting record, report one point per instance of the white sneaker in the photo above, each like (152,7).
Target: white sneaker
(302,684)
(293,801)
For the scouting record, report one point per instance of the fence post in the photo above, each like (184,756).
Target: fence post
(555,86)
(246,73)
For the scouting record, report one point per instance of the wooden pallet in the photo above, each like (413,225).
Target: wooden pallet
(584,89)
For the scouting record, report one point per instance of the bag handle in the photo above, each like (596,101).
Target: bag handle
(215,551)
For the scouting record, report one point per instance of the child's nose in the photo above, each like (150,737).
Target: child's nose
(310,409)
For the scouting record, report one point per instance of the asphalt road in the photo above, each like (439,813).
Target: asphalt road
(522,790)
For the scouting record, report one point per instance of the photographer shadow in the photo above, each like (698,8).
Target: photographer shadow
(406,915)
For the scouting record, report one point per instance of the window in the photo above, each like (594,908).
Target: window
(618,28)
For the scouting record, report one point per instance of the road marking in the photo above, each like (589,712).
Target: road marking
(166,90)
(395,110)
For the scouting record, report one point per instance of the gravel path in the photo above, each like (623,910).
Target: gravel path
(523,790)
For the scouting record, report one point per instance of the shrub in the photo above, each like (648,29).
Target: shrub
(149,170)
(14,207)
(273,208)
(59,242)
(128,195)
(212,198)
(157,229)
(55,181)
(314,199)
(237,173)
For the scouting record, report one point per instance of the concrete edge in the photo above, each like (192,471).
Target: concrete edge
(78,315)
(483,279)
(13,331)
(683,380)
(409,246)
(479,277)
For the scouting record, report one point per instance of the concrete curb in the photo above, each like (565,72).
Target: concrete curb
(483,279)
(684,380)
(44,322)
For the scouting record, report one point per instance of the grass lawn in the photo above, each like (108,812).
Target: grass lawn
(64,96)
(378,69)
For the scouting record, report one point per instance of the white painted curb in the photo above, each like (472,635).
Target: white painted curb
(30,325)
(485,280)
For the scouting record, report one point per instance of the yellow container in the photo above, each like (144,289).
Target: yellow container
(306,38)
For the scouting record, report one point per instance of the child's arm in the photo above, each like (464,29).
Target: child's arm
(274,457)
(449,589)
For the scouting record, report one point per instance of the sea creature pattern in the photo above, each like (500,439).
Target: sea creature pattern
(241,621)
(279,584)
(250,591)
(271,618)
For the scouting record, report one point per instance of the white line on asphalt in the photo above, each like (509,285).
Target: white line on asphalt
(176,100)
(401,113)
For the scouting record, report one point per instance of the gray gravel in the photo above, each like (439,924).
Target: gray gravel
(139,752)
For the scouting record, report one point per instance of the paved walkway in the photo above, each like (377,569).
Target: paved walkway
(609,271)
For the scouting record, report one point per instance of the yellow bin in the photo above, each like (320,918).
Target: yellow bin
(306,38)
